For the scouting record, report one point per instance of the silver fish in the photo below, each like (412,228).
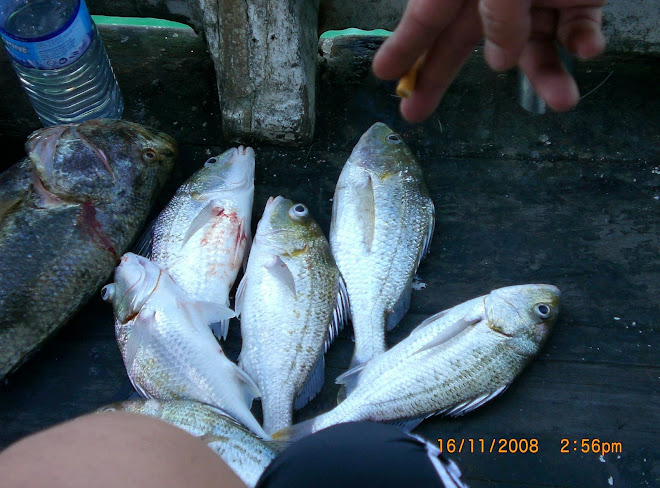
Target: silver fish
(452,363)
(382,224)
(245,453)
(201,237)
(168,350)
(287,303)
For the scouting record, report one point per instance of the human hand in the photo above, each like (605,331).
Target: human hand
(517,32)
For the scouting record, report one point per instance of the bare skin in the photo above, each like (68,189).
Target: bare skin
(516,32)
(113,449)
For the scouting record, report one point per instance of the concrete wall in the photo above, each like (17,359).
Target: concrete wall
(630,25)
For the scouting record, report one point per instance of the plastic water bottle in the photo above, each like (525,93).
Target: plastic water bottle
(59,57)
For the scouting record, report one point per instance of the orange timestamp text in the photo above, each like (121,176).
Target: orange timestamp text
(499,446)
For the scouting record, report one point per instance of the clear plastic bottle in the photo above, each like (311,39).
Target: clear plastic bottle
(59,57)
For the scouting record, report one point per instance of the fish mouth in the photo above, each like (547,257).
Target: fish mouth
(243,160)
(138,301)
(42,146)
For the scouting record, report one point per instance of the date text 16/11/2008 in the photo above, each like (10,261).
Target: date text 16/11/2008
(511,446)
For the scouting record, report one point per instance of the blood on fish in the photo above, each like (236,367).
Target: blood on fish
(88,222)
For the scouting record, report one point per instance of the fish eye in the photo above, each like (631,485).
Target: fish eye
(149,155)
(211,161)
(107,292)
(394,138)
(543,310)
(298,212)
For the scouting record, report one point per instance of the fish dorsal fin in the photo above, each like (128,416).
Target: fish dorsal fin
(313,383)
(203,314)
(144,245)
(465,407)
(429,236)
(249,388)
(340,314)
(351,378)
(450,332)
(212,209)
(240,295)
(281,272)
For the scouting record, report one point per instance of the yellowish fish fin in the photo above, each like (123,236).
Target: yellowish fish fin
(313,383)
(429,235)
(350,379)
(144,245)
(204,314)
(450,332)
(141,330)
(428,320)
(240,295)
(465,407)
(249,388)
(295,432)
(367,219)
(400,308)
(211,210)
(281,272)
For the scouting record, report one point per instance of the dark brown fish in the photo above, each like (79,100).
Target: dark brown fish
(67,212)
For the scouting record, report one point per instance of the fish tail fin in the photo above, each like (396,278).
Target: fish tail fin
(297,431)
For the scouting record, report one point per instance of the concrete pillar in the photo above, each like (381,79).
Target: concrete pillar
(265,55)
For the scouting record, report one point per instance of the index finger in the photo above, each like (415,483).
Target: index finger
(422,22)
(507,25)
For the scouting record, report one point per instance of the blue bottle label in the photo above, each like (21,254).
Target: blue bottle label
(59,48)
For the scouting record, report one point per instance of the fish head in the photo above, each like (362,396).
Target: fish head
(287,226)
(524,314)
(100,159)
(233,170)
(145,407)
(382,152)
(136,278)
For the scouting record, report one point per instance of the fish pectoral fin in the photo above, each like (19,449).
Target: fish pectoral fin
(465,407)
(406,424)
(366,221)
(142,327)
(204,314)
(212,209)
(340,314)
(313,383)
(249,388)
(428,320)
(240,295)
(281,272)
(429,235)
(350,379)
(450,332)
(144,245)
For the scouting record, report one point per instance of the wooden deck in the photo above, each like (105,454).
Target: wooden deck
(569,199)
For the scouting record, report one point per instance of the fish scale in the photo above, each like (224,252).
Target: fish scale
(168,350)
(382,223)
(66,212)
(202,235)
(451,363)
(286,303)
(245,453)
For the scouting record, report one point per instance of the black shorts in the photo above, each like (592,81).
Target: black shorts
(361,454)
